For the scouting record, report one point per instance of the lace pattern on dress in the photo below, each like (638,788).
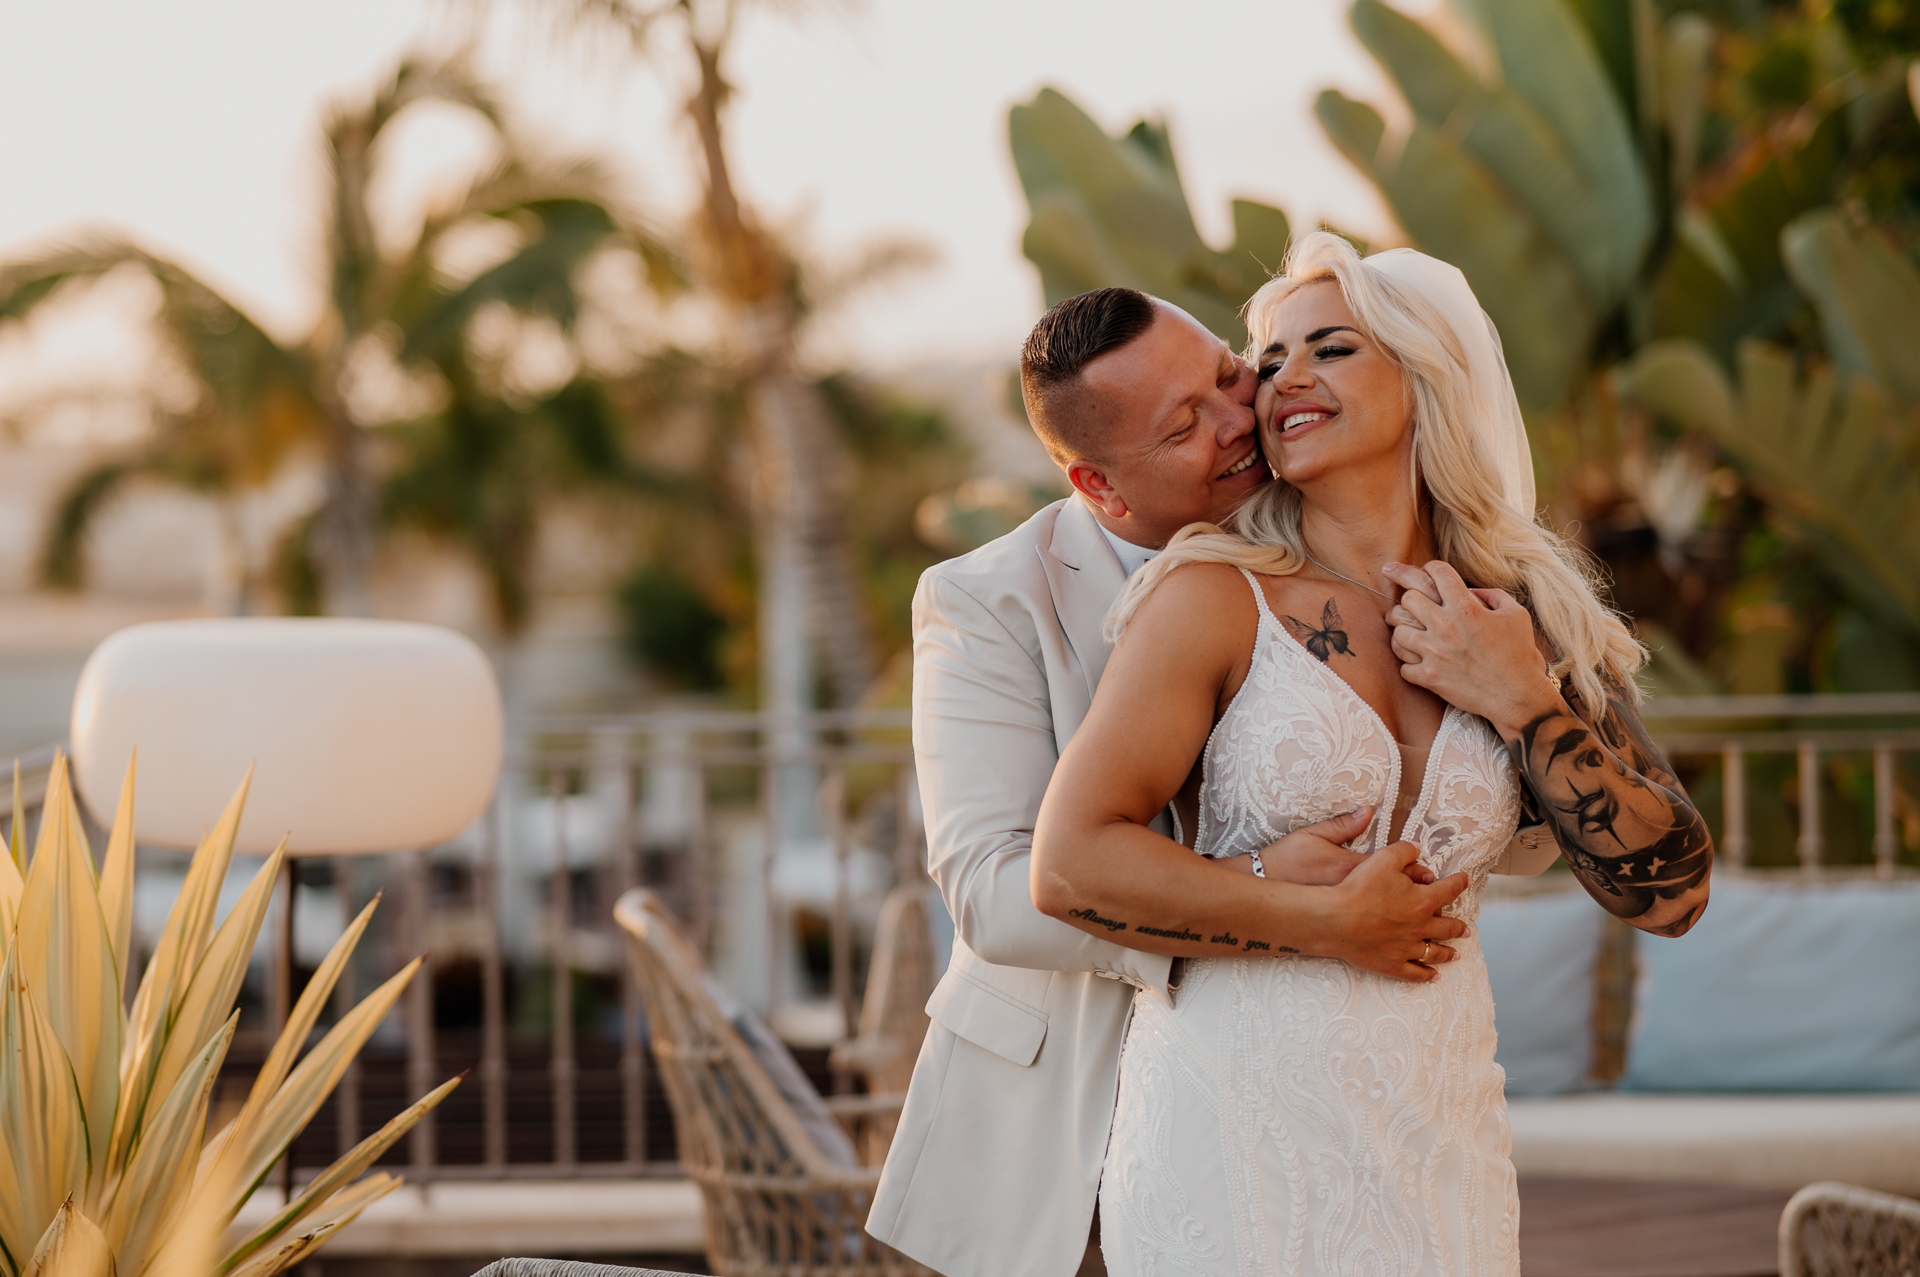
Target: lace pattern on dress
(1297,1115)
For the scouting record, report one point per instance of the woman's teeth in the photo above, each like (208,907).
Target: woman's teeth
(1302,418)
(1242,464)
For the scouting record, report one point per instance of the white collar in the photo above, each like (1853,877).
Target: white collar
(1132,557)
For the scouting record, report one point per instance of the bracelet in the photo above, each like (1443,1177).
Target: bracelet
(1259,868)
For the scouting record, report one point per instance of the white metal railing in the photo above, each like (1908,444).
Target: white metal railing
(590,806)
(1809,727)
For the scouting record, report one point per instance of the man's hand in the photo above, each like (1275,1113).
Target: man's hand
(1474,649)
(1314,857)
(1389,924)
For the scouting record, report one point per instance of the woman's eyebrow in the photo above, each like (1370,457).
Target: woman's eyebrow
(1279,347)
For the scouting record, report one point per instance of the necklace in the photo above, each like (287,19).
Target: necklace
(1349,580)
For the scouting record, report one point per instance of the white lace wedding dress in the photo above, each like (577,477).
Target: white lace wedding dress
(1298,1115)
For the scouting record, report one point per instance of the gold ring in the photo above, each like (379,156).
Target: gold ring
(1426,952)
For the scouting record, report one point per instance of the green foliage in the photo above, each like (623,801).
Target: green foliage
(1111,211)
(667,626)
(1830,455)
(1531,183)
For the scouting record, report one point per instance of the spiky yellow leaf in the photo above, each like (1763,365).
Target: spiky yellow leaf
(293,1037)
(17,839)
(318,1230)
(73,1246)
(307,1088)
(116,877)
(169,971)
(211,992)
(67,959)
(330,1181)
(43,1146)
(146,1202)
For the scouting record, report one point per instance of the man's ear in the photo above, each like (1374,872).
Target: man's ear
(1089,479)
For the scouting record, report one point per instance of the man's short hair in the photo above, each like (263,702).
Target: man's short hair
(1068,338)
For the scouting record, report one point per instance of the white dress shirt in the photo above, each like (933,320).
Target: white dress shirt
(1132,557)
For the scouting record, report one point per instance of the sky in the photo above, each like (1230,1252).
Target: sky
(194,126)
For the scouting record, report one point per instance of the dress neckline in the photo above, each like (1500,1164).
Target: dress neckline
(1394,762)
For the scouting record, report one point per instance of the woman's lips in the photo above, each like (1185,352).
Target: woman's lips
(1295,424)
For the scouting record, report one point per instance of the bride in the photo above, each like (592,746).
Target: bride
(1302,1115)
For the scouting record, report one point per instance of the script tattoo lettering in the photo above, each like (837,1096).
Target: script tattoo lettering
(1330,638)
(1228,940)
(1620,815)
(1088,915)
(1168,933)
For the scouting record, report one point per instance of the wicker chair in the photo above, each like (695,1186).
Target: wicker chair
(893,1017)
(1836,1230)
(785,1195)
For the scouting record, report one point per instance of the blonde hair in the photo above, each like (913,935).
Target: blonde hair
(1475,528)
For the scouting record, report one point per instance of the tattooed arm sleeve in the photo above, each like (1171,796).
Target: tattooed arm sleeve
(1628,829)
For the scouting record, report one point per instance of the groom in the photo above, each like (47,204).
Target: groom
(995,1168)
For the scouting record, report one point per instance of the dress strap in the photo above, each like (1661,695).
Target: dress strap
(1260,597)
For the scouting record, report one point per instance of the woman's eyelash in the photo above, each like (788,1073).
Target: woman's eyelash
(1324,352)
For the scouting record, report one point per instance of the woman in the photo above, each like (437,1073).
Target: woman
(1300,1115)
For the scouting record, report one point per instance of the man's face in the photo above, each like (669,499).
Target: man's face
(1181,446)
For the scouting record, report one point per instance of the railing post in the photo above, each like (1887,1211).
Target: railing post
(562,914)
(699,870)
(775,934)
(493,1015)
(1809,846)
(1733,800)
(833,803)
(420,1064)
(1886,845)
(346,992)
(282,1009)
(632,1061)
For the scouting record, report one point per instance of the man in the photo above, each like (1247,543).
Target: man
(994,1171)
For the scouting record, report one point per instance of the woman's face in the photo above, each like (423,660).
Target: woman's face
(1329,399)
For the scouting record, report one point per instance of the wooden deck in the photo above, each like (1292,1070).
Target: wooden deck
(1600,1228)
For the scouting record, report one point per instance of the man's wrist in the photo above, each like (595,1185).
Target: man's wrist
(1541,701)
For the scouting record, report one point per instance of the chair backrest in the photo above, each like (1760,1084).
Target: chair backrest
(731,1115)
(893,1017)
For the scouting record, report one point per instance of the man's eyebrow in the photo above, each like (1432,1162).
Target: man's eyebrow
(1315,335)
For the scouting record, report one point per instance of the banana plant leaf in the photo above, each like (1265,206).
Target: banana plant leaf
(1111,211)
(1868,297)
(1831,454)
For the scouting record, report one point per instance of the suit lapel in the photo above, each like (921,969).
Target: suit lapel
(1085,577)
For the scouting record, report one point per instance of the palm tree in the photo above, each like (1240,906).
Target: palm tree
(255,406)
(806,577)
(261,400)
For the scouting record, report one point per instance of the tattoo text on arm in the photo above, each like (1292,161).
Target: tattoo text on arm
(1227,938)
(1617,810)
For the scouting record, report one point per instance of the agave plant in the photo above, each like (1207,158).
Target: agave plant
(106,1168)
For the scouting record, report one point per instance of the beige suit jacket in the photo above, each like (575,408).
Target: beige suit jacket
(996,1164)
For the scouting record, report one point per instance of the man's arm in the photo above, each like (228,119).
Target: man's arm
(984,750)
(1632,836)
(1628,829)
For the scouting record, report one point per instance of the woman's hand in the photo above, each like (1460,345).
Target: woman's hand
(1314,856)
(1474,649)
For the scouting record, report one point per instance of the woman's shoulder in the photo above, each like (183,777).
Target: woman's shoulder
(1196,600)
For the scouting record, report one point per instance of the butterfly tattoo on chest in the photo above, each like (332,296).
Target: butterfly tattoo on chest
(1323,643)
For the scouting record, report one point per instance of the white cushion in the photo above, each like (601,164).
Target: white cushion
(1764,1141)
(369,736)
